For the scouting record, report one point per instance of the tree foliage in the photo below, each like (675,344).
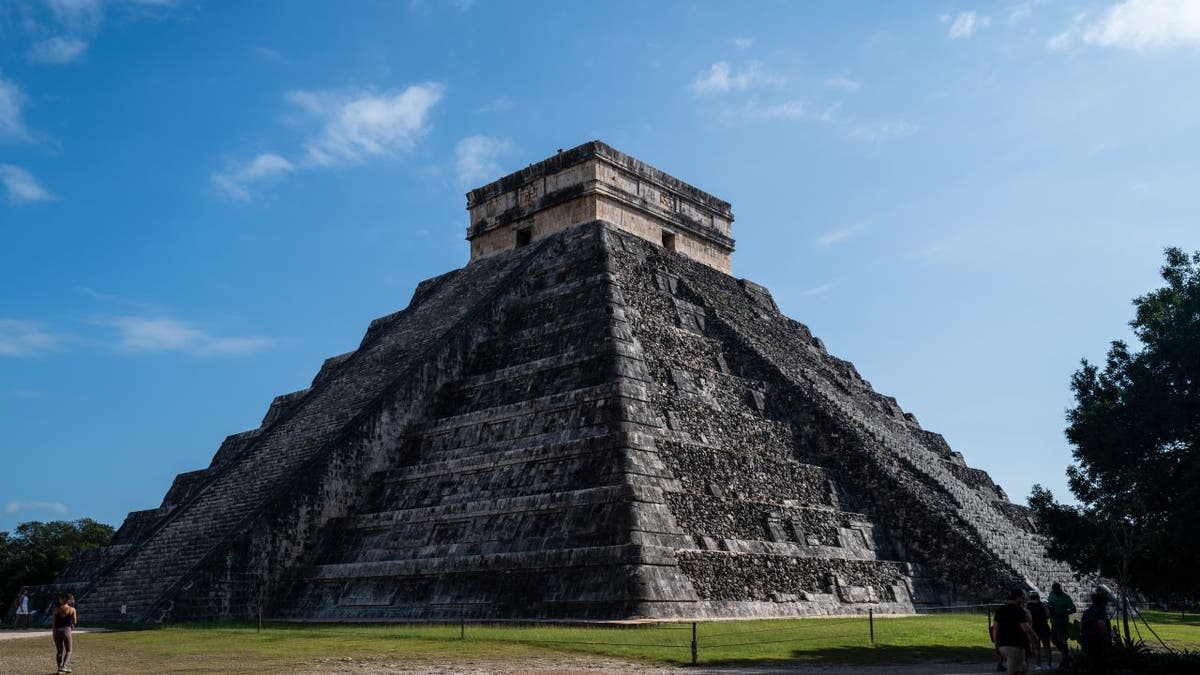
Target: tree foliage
(1135,432)
(35,552)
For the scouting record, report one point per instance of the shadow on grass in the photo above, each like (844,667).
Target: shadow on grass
(882,655)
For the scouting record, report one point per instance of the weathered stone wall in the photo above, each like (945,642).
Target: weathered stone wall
(594,181)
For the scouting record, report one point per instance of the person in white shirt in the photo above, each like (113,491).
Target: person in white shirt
(22,603)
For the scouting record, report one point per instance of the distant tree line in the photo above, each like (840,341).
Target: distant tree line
(35,552)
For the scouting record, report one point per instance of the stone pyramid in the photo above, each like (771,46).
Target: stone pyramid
(591,420)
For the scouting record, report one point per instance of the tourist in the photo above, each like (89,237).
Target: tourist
(1013,633)
(1039,616)
(63,620)
(1095,635)
(22,605)
(1061,608)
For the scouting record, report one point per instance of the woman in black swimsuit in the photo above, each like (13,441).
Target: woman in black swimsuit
(63,620)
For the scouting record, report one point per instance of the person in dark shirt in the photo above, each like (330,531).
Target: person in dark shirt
(1095,635)
(1013,633)
(1039,616)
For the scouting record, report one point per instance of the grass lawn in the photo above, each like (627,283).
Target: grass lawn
(239,648)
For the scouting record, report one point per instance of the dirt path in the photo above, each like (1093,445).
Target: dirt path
(13,634)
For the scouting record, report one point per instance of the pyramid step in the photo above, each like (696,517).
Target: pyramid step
(557,501)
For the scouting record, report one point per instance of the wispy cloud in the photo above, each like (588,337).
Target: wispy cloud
(142,334)
(842,83)
(722,78)
(62,31)
(362,125)
(1021,10)
(497,105)
(791,110)
(17,506)
(1136,24)
(19,337)
(12,101)
(351,128)
(20,187)
(56,50)
(965,24)
(477,158)
(878,131)
(236,180)
(742,42)
(834,236)
(818,290)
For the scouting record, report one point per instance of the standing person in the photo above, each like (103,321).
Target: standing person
(1039,619)
(1013,633)
(1061,608)
(22,605)
(63,620)
(1095,635)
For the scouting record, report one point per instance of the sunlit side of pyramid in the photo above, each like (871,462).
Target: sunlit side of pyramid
(591,420)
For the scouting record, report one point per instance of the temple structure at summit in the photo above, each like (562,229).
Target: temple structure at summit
(593,419)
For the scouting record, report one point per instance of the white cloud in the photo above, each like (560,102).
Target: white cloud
(879,131)
(842,83)
(722,78)
(354,128)
(25,338)
(477,158)
(965,24)
(21,187)
(742,42)
(142,334)
(12,128)
(365,125)
(819,290)
(16,506)
(791,110)
(235,182)
(837,235)
(1138,25)
(56,50)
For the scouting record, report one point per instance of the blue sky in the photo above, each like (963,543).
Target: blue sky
(200,201)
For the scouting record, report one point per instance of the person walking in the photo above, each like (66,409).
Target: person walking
(63,620)
(1095,635)
(1061,608)
(22,605)
(1013,633)
(1039,617)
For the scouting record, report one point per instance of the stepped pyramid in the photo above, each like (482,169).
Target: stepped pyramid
(591,420)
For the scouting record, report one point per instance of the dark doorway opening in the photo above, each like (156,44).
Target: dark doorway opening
(524,237)
(668,240)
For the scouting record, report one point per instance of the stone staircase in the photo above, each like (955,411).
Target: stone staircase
(519,466)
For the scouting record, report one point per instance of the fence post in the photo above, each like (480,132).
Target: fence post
(871,618)
(462,622)
(260,616)
(693,643)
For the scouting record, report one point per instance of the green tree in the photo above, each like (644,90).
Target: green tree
(1135,432)
(35,552)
